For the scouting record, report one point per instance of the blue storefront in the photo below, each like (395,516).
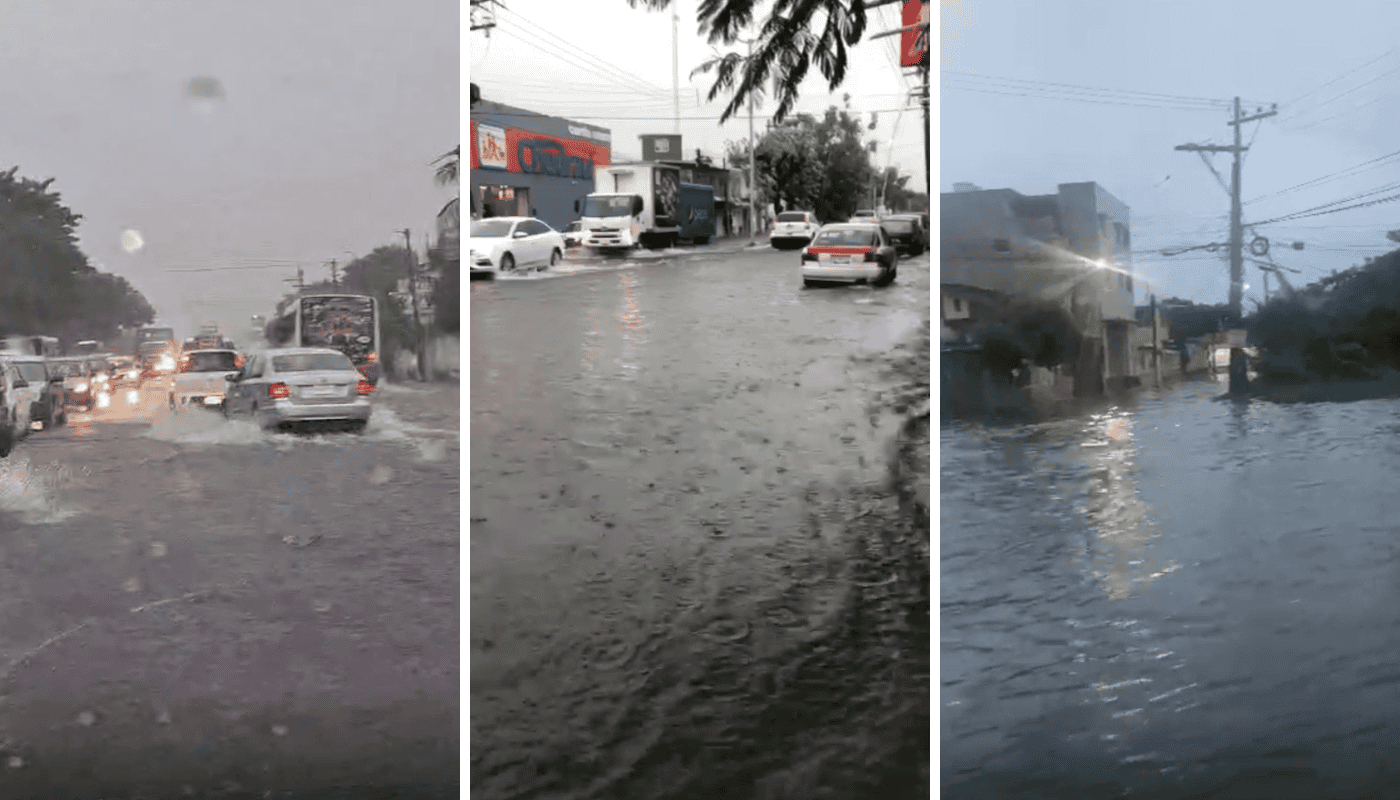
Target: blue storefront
(529,164)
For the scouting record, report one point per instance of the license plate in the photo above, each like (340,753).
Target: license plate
(840,259)
(320,391)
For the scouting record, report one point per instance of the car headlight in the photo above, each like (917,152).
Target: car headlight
(82,387)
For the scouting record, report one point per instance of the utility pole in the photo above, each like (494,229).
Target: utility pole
(676,65)
(1156,344)
(1239,381)
(413,296)
(335,276)
(753,185)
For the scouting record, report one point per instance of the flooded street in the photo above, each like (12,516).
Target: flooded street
(679,506)
(1178,596)
(195,607)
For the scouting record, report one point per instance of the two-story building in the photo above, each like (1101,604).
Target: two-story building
(1072,248)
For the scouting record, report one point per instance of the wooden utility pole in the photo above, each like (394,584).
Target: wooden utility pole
(335,276)
(413,295)
(1239,381)
(1156,345)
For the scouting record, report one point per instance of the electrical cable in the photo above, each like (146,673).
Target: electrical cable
(1343,75)
(1326,178)
(1134,94)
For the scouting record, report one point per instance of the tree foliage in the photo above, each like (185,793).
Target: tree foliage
(811,164)
(449,218)
(47,285)
(798,35)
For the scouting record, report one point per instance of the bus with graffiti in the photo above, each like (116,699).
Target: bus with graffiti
(348,323)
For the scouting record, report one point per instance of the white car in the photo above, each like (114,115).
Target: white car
(508,244)
(850,252)
(573,235)
(203,378)
(289,386)
(16,398)
(794,229)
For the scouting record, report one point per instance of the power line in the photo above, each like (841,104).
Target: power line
(1076,98)
(1343,94)
(1214,101)
(644,119)
(1328,177)
(1343,75)
(598,63)
(569,59)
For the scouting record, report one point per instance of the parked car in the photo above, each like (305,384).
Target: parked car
(573,235)
(906,232)
(15,405)
(31,388)
(203,378)
(295,385)
(508,244)
(794,229)
(852,252)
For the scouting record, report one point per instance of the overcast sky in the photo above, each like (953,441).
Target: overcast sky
(332,111)
(1332,68)
(605,63)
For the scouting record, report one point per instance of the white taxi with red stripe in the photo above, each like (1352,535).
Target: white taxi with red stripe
(849,252)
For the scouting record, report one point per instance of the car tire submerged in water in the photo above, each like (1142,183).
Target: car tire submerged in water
(507,263)
(554,257)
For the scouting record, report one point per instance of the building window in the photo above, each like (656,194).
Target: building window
(957,304)
(1001,245)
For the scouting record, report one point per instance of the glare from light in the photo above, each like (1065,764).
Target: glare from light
(132,241)
(104,400)
(133,397)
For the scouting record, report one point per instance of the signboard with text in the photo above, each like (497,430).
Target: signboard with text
(661,147)
(525,152)
(913,44)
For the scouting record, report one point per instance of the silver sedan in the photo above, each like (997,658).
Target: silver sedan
(289,386)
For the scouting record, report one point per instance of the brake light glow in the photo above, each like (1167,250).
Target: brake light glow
(373,357)
(363,388)
(808,257)
(279,390)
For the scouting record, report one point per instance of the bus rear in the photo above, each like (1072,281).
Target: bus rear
(347,323)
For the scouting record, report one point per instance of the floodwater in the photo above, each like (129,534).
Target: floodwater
(670,461)
(1177,596)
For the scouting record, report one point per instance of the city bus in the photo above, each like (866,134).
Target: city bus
(345,322)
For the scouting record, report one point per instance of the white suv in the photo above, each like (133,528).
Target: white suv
(794,229)
(16,398)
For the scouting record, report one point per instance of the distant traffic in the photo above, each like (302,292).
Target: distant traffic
(316,365)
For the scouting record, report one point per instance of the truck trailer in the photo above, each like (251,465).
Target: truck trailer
(633,205)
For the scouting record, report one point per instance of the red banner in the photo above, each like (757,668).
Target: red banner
(536,153)
(913,45)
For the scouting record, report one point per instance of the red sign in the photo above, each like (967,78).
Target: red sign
(536,153)
(913,44)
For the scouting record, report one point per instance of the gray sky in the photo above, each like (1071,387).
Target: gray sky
(332,111)
(1336,111)
(563,57)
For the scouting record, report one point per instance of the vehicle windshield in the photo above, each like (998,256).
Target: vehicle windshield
(617,205)
(210,362)
(847,237)
(307,362)
(486,228)
(574,226)
(32,371)
(792,216)
(67,369)
(899,226)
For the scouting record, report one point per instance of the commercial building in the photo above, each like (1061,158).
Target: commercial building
(524,163)
(1072,249)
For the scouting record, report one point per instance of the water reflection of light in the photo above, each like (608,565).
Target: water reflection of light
(591,345)
(633,324)
(1119,555)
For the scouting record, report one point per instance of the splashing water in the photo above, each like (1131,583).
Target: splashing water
(32,493)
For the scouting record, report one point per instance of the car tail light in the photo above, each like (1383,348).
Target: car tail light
(373,357)
(872,256)
(808,257)
(279,390)
(363,388)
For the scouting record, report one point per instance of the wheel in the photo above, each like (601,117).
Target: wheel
(702,240)
(357,427)
(554,257)
(172,403)
(507,263)
(808,284)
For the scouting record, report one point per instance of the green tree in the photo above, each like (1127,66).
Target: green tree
(811,164)
(47,285)
(797,35)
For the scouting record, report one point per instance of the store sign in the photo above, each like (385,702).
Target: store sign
(529,153)
(913,44)
(491,146)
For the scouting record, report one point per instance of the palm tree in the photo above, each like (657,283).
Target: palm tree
(798,34)
(449,218)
